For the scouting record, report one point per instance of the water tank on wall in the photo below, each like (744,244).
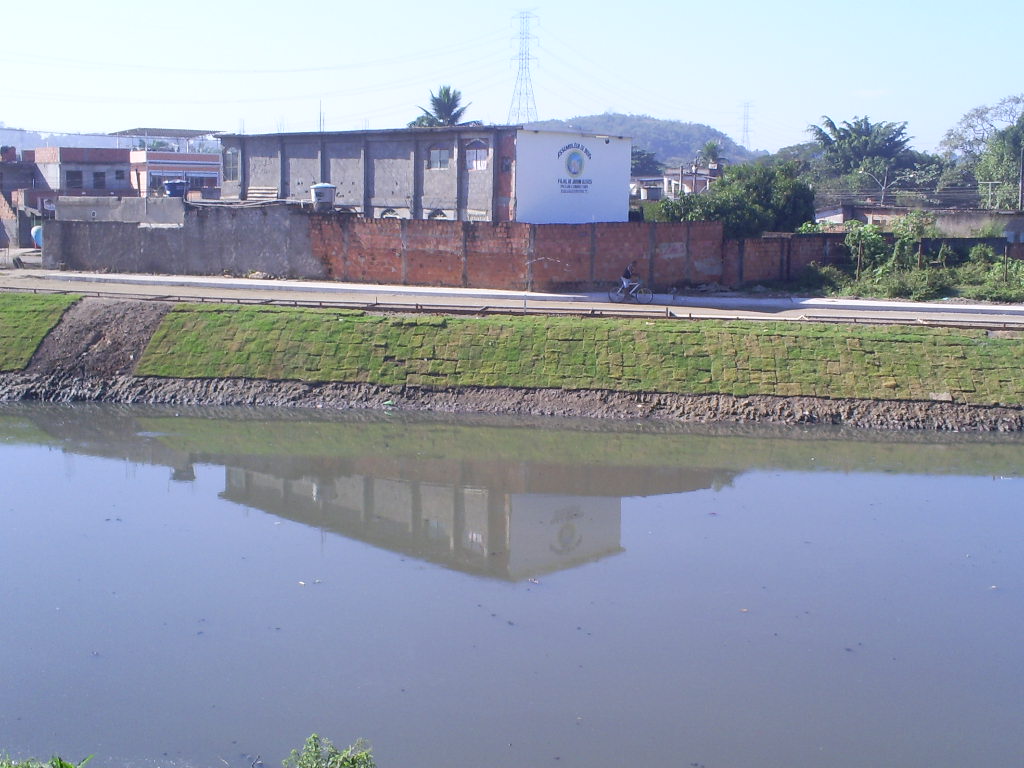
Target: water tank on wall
(323,195)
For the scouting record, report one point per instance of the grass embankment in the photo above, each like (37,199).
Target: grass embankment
(705,357)
(25,319)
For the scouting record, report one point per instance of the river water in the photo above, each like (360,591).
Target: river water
(207,588)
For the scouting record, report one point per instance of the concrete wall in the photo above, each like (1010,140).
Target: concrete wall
(439,185)
(16,176)
(155,210)
(390,172)
(346,170)
(211,241)
(301,161)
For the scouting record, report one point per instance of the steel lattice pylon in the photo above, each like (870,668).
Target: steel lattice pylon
(524,107)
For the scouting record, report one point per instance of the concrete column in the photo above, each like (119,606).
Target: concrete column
(282,168)
(416,203)
(461,185)
(367,181)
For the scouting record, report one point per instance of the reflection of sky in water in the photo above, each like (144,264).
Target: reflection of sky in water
(785,619)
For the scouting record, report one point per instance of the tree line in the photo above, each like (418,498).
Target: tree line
(980,165)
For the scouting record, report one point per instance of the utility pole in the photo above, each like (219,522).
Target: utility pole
(524,108)
(1020,181)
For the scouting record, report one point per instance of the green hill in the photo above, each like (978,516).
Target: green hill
(672,141)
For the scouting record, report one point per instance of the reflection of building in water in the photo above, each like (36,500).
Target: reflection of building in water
(511,522)
(506,535)
(489,514)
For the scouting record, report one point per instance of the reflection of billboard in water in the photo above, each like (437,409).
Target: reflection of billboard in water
(548,533)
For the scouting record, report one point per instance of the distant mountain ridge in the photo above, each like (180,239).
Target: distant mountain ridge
(673,142)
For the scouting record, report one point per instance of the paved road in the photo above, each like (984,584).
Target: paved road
(306,292)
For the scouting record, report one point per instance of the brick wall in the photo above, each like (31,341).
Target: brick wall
(432,255)
(497,255)
(513,255)
(561,256)
(289,241)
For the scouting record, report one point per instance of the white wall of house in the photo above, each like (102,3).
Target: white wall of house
(571,178)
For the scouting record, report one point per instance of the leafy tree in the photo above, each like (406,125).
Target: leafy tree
(748,200)
(644,163)
(932,180)
(858,160)
(802,155)
(445,109)
(967,139)
(850,146)
(908,231)
(998,167)
(865,241)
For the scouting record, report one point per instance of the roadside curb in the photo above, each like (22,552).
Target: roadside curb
(311,286)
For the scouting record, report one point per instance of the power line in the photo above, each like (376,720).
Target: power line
(524,107)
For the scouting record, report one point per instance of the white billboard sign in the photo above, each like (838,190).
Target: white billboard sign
(571,178)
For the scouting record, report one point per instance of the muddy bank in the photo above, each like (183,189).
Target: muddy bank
(871,414)
(90,356)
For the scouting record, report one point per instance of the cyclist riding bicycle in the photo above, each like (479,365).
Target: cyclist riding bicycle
(630,283)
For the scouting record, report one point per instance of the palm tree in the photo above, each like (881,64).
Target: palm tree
(710,154)
(445,109)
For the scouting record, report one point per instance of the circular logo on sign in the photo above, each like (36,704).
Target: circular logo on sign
(574,163)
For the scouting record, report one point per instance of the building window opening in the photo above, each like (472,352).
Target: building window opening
(73,179)
(231,164)
(439,158)
(119,175)
(99,180)
(476,155)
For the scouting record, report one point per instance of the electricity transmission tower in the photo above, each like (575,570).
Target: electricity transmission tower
(524,108)
(745,141)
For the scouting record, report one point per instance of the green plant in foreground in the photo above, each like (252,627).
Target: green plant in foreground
(319,752)
(55,762)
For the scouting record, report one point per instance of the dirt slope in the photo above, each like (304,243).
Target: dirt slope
(99,337)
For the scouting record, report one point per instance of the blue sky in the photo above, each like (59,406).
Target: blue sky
(261,67)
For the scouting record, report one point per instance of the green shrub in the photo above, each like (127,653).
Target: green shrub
(971,273)
(998,282)
(319,752)
(55,762)
(982,254)
(823,278)
(889,282)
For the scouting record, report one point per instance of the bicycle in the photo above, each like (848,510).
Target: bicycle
(638,292)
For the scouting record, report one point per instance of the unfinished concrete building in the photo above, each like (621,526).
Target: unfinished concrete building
(459,173)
